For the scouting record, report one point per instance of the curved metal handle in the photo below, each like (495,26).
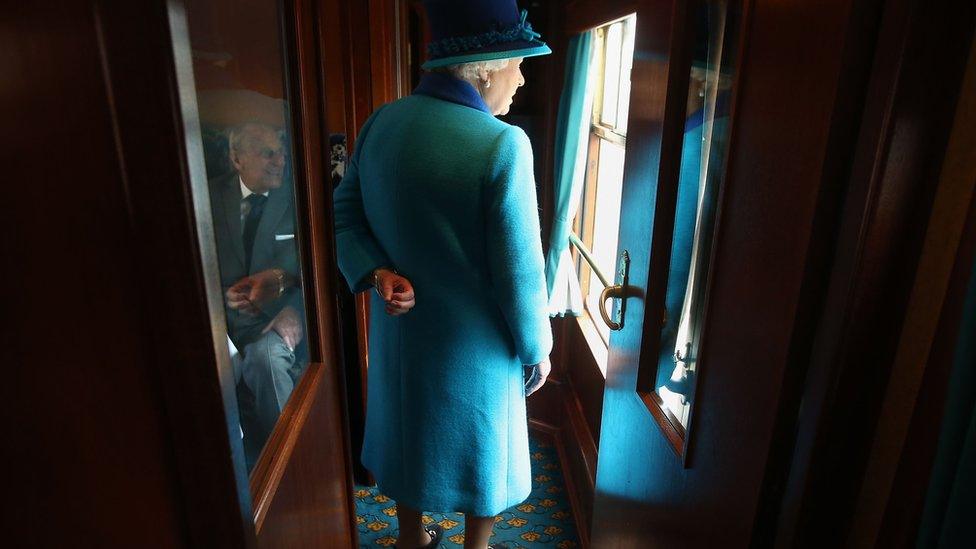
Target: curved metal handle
(610,292)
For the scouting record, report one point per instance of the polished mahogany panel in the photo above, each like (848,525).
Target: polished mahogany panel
(303,484)
(307,503)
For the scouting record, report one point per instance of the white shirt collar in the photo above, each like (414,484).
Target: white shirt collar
(245,192)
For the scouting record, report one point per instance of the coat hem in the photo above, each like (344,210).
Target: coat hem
(426,505)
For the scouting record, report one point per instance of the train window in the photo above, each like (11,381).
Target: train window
(242,95)
(703,154)
(598,217)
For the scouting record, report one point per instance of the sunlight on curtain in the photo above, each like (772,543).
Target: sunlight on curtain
(565,297)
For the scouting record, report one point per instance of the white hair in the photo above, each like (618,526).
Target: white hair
(469,71)
(244,135)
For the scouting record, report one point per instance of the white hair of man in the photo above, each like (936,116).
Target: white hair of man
(472,71)
(243,136)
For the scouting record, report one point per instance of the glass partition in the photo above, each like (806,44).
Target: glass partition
(702,170)
(242,95)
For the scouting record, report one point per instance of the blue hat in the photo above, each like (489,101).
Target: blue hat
(464,31)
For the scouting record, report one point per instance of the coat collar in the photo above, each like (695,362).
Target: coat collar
(449,88)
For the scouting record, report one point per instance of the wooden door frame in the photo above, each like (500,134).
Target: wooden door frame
(296,451)
(281,499)
(772,252)
(160,395)
(189,361)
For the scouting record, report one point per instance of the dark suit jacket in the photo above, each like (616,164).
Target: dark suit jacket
(275,246)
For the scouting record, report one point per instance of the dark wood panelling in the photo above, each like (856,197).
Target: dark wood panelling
(238,30)
(385,50)
(115,406)
(933,290)
(359,99)
(373,73)
(302,483)
(134,446)
(579,450)
(334,72)
(557,67)
(914,83)
(308,475)
(569,406)
(905,503)
(900,525)
(545,405)
(586,378)
(531,106)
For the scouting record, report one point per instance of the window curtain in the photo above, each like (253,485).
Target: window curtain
(950,504)
(572,127)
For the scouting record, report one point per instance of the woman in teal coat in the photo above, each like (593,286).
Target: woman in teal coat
(438,211)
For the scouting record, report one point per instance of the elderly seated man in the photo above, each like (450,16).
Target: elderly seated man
(254,226)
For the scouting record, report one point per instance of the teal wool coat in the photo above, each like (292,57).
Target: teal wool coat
(441,190)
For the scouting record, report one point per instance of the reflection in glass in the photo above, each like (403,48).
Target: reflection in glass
(703,153)
(239,70)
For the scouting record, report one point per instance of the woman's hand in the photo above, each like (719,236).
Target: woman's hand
(395,290)
(544,368)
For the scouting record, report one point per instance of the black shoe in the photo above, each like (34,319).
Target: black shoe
(436,532)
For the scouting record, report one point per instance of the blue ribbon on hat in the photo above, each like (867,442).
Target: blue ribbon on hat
(460,44)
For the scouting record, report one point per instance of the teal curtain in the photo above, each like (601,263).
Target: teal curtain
(949,518)
(563,286)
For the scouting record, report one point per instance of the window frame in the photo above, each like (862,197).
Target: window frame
(584,222)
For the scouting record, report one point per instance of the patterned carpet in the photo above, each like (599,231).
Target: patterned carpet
(545,519)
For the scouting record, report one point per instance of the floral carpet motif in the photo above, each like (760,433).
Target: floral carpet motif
(545,519)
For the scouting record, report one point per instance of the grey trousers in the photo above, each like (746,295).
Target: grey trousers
(265,379)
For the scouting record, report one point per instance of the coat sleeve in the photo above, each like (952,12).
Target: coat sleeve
(357,250)
(516,264)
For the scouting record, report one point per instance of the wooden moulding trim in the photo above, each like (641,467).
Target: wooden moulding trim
(576,422)
(277,451)
(558,440)
(670,426)
(583,15)
(543,427)
(580,518)
(573,435)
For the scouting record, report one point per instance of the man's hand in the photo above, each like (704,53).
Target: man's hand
(395,290)
(237,298)
(288,324)
(544,368)
(251,293)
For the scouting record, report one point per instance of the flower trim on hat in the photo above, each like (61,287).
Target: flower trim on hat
(454,45)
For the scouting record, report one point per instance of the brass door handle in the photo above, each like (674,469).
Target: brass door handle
(611,292)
